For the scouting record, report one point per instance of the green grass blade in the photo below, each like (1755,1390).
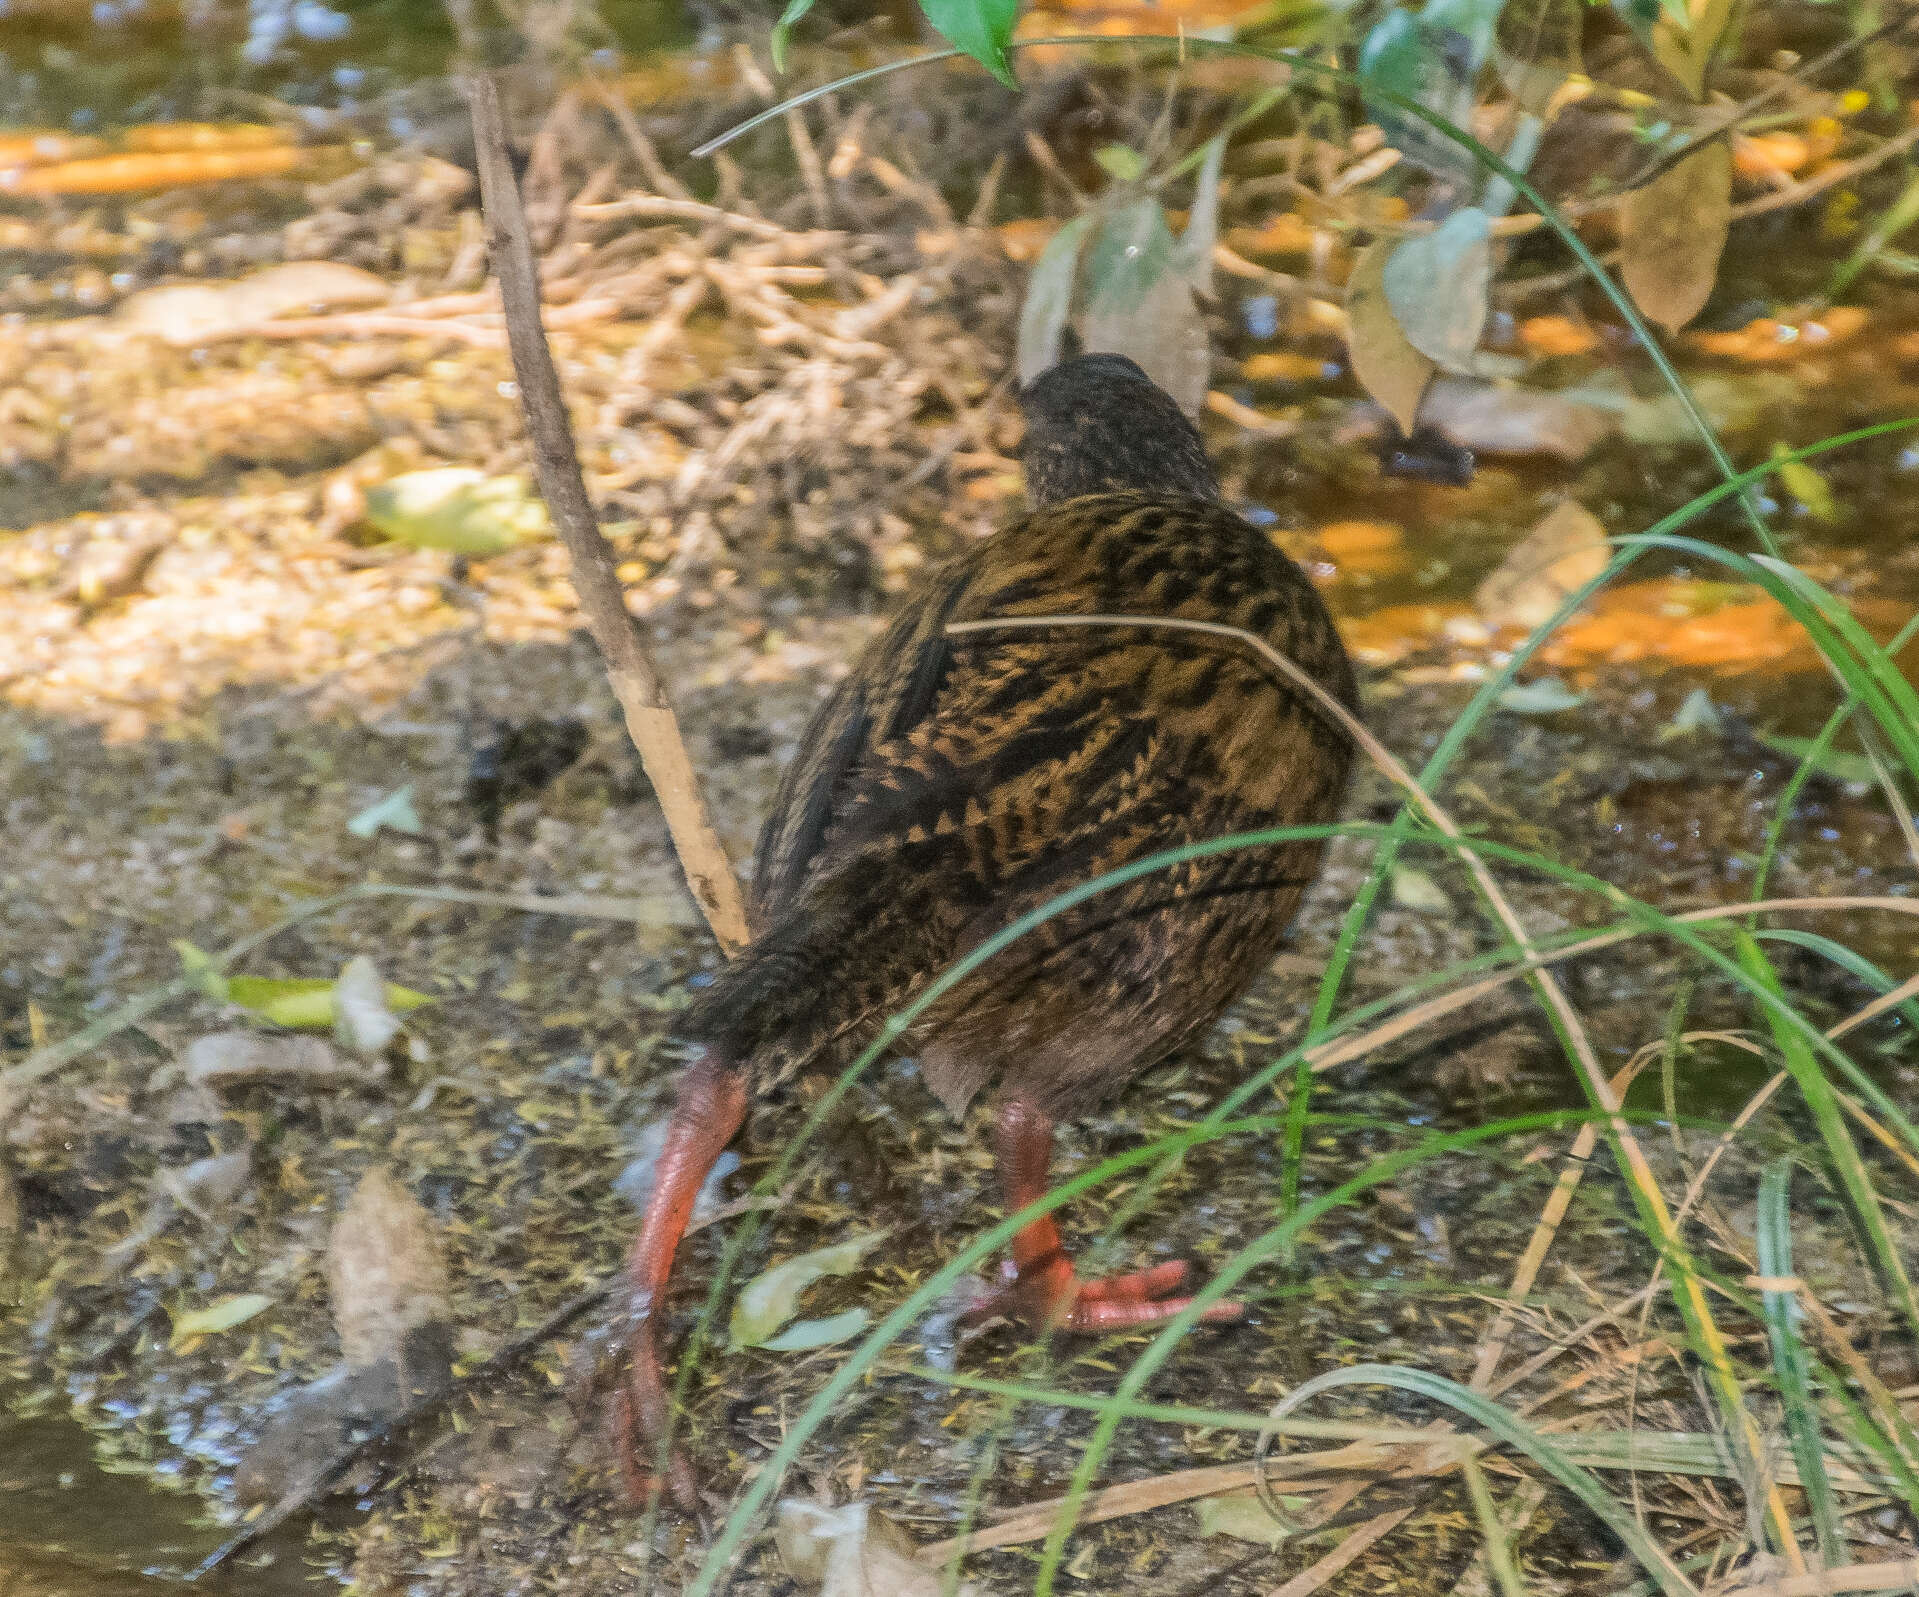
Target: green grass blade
(1780,1307)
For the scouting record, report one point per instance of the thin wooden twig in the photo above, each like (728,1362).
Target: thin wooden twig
(629,667)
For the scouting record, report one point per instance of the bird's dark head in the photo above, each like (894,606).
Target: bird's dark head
(1097,423)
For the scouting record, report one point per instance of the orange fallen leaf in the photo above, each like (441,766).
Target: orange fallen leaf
(126,174)
(1766,341)
(1026,238)
(1556,335)
(166,137)
(1347,540)
(1279,366)
(42,146)
(1289,233)
(1675,621)
(1363,548)
(1766,155)
(1383,636)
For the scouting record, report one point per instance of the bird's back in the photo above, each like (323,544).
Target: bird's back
(951,783)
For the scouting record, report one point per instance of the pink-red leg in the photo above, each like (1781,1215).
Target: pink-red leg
(1043,1289)
(710,1105)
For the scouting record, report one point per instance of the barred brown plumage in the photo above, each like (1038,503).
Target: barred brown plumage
(953,783)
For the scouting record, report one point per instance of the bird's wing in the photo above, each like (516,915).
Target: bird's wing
(890,690)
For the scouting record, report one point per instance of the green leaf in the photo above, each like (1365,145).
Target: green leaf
(199,968)
(1121,162)
(1541,696)
(217,1317)
(395,811)
(305,1003)
(1049,299)
(802,1336)
(1855,770)
(1517,1433)
(981,28)
(1805,484)
(459,509)
(795,9)
(1790,1363)
(772,1297)
(1437,283)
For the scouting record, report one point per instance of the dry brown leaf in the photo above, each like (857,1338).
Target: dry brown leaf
(853,1552)
(1674,229)
(1383,358)
(1565,550)
(187,313)
(384,1269)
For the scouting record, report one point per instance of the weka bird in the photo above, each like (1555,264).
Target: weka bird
(953,782)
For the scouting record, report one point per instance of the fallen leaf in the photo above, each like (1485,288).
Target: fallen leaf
(1804,483)
(1541,696)
(305,1003)
(1766,340)
(393,810)
(385,1270)
(128,174)
(190,313)
(1697,714)
(854,1551)
(1506,419)
(1730,404)
(1414,889)
(1383,358)
(1854,771)
(1557,335)
(772,1297)
(362,1022)
(459,509)
(1243,1516)
(1437,286)
(1673,230)
(216,1317)
(242,1058)
(1288,233)
(1564,551)
(802,1336)
(1280,366)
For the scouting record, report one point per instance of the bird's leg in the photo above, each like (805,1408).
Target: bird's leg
(1042,1287)
(708,1109)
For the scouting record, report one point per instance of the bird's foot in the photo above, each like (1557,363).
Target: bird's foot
(639,1423)
(1049,1296)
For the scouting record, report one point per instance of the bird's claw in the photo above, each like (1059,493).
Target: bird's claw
(640,1413)
(1050,1297)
